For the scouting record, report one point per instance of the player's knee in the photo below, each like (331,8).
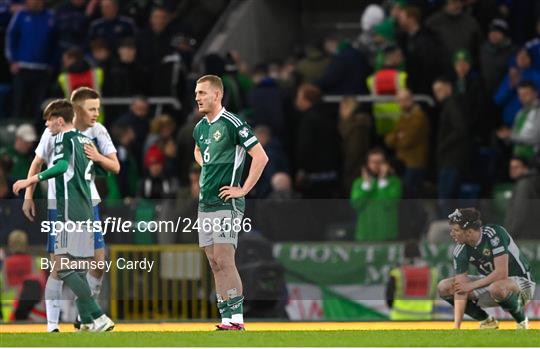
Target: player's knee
(213,264)
(223,262)
(445,288)
(497,292)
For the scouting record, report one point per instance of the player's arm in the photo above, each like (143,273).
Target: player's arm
(107,162)
(60,167)
(500,272)
(460,301)
(29,207)
(198,155)
(258,162)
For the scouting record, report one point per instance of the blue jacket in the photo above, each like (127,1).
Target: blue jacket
(507,97)
(31,39)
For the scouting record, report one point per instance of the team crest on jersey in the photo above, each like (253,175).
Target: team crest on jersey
(487,252)
(244,132)
(217,135)
(471,259)
(59,148)
(495,241)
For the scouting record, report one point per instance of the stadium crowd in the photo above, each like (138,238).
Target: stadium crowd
(478,60)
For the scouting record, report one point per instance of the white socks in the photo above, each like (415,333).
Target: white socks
(237,318)
(95,284)
(53,294)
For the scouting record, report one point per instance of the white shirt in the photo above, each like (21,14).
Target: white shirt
(45,150)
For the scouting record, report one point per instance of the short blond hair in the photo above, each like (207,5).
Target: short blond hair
(214,81)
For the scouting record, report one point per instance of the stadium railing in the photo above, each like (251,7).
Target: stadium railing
(372,98)
(158,101)
(178,287)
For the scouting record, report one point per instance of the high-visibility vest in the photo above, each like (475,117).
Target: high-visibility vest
(415,293)
(92,78)
(387,81)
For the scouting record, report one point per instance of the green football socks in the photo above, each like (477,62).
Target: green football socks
(87,306)
(512,305)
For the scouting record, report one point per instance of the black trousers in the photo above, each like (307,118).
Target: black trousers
(30,87)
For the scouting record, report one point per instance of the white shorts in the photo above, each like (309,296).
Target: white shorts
(526,291)
(76,243)
(219,227)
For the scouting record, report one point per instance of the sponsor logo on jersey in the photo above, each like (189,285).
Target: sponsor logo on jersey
(207,141)
(217,135)
(200,139)
(84,140)
(495,241)
(487,252)
(244,132)
(59,148)
(471,259)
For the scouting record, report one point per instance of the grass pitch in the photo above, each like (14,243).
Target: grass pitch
(346,338)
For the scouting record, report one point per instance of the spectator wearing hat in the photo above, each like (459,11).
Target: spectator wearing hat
(421,50)
(20,154)
(155,184)
(111,27)
(455,30)
(469,87)
(495,55)
(387,81)
(506,96)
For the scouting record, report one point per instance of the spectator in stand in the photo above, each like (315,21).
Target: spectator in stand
(367,40)
(410,140)
(126,182)
(127,76)
(355,128)
(162,131)
(277,162)
(469,86)
(525,133)
(506,96)
(523,212)
(316,145)
(31,50)
(268,102)
(388,80)
(455,30)
(156,184)
(421,50)
(72,20)
(375,198)
(77,72)
(313,65)
(138,118)
(495,55)
(347,71)
(533,46)
(111,27)
(20,155)
(101,55)
(453,143)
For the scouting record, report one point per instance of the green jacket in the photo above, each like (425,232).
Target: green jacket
(377,207)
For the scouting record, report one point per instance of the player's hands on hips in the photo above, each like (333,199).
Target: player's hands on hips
(29,209)
(92,153)
(19,185)
(228,192)
(463,286)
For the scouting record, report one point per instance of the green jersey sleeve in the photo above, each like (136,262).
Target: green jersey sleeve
(244,136)
(461,263)
(498,239)
(63,148)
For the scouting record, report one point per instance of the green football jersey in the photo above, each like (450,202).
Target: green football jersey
(223,145)
(495,242)
(73,193)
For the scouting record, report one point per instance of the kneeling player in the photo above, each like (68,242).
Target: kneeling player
(505,277)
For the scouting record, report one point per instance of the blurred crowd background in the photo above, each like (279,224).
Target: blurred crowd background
(449,113)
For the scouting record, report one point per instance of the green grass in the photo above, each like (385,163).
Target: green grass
(389,338)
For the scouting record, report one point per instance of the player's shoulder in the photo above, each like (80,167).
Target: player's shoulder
(232,119)
(493,230)
(95,130)
(46,134)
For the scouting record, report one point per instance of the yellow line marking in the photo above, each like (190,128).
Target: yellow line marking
(268,326)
